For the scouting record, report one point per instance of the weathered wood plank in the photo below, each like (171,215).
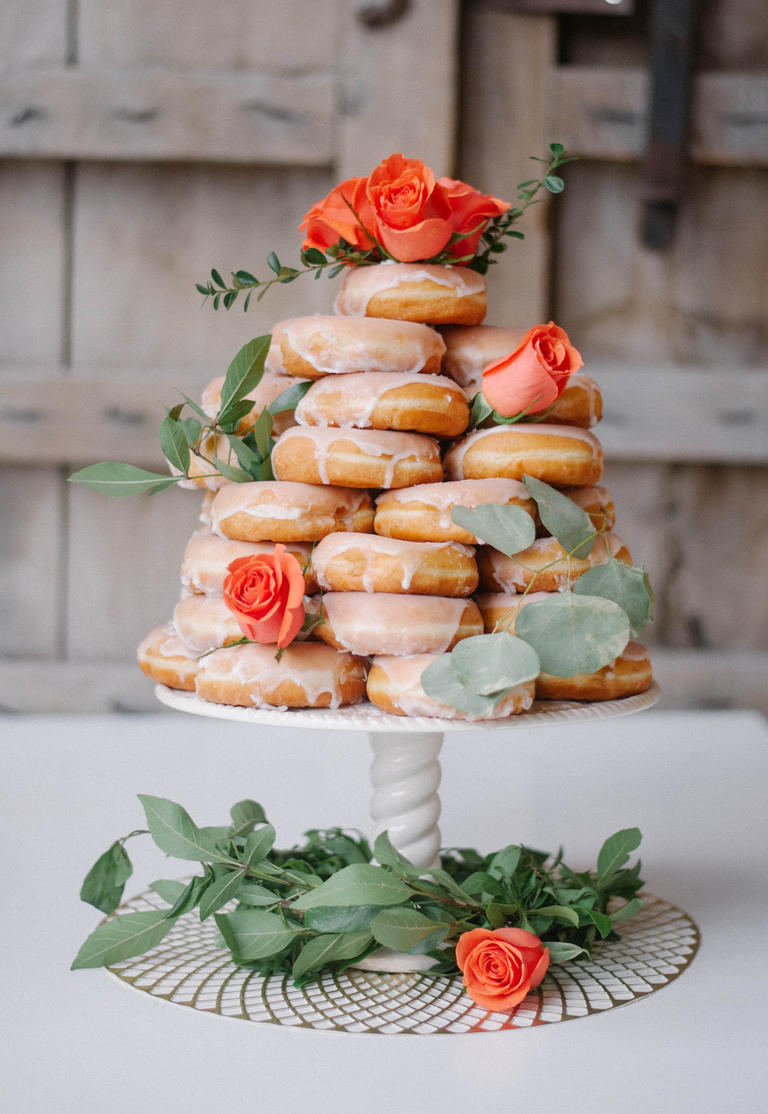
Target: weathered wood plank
(688,679)
(78,113)
(507,60)
(398,87)
(602,113)
(46,419)
(33,34)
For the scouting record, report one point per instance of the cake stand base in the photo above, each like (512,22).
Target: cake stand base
(189,969)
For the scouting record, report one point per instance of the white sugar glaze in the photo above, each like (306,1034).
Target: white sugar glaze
(381,443)
(454,458)
(394,623)
(283,499)
(338,345)
(410,555)
(360,284)
(403,674)
(512,572)
(204,622)
(464,493)
(470,348)
(313,667)
(361,394)
(166,642)
(207,556)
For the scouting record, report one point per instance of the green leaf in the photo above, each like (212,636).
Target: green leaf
(444,879)
(230,419)
(174,831)
(259,844)
(251,893)
(313,256)
(110,477)
(273,263)
(564,519)
(341,918)
(626,585)
(322,950)
(202,289)
(174,445)
(230,472)
(246,278)
(439,681)
(573,634)
(358,884)
(168,889)
(245,372)
(104,883)
(479,410)
(217,278)
(601,921)
(407,930)
(245,814)
(192,430)
(554,184)
(556,148)
(122,937)
(563,953)
(494,915)
(220,892)
(628,910)
(262,431)
(490,663)
(615,852)
(388,855)
(507,528)
(247,458)
(290,398)
(561,912)
(189,896)
(505,862)
(255,934)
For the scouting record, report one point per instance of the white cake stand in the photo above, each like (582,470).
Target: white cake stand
(405,771)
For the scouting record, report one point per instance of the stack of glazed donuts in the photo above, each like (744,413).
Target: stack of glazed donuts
(367,472)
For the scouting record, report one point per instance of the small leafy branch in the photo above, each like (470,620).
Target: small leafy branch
(342,254)
(191,444)
(328,904)
(580,630)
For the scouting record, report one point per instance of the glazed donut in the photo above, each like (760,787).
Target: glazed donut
(207,557)
(356,457)
(164,657)
(499,573)
(469,350)
(205,509)
(202,473)
(627,675)
(316,346)
(423,513)
(270,387)
(368,563)
(308,675)
(560,455)
(424,292)
(394,684)
(499,609)
(387,623)
(388,400)
(288,512)
(205,623)
(596,501)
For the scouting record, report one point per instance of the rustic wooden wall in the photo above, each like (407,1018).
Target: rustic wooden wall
(143,143)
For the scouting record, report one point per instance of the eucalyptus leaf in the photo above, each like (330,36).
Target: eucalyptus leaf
(358,884)
(615,852)
(245,372)
(566,521)
(506,527)
(104,883)
(321,950)
(626,585)
(174,444)
(491,663)
(245,814)
(174,831)
(110,477)
(254,933)
(220,892)
(573,634)
(439,681)
(122,937)
(407,930)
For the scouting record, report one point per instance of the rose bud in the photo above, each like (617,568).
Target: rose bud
(534,376)
(500,966)
(265,592)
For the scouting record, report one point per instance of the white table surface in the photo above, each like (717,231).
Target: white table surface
(82,1041)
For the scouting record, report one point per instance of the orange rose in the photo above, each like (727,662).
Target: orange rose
(265,592)
(332,219)
(535,375)
(411,211)
(470,213)
(501,966)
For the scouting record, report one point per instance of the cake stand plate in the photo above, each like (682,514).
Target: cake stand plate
(189,969)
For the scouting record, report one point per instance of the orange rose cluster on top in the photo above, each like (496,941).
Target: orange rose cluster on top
(400,211)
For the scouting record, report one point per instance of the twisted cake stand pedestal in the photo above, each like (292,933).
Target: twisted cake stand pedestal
(405,771)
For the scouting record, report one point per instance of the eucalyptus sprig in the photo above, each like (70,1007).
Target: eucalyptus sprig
(579,630)
(327,903)
(342,254)
(190,443)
